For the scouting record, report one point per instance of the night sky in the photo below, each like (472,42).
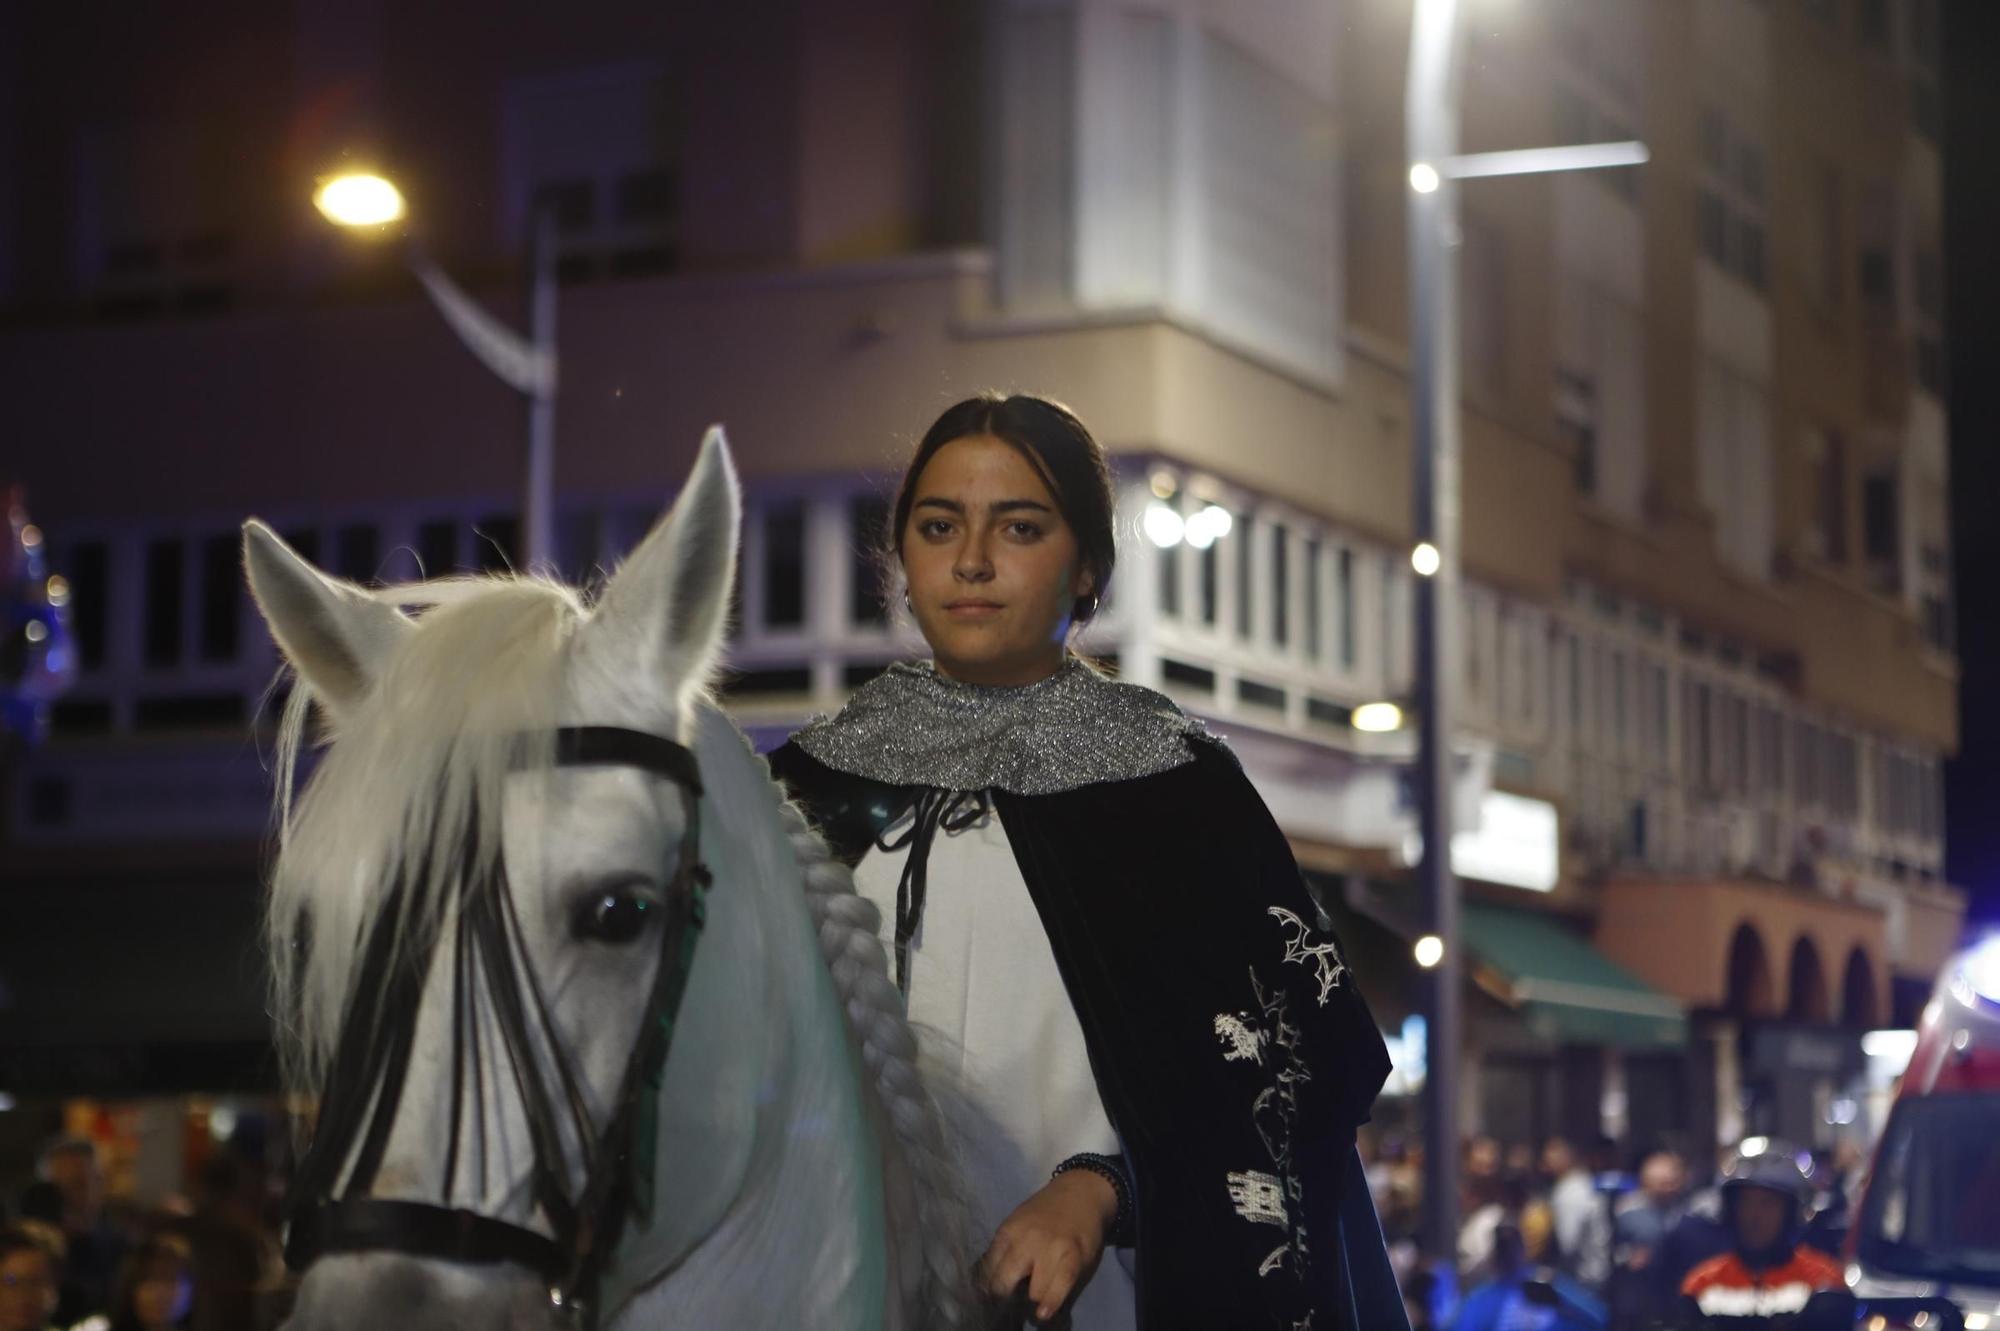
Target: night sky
(1972,228)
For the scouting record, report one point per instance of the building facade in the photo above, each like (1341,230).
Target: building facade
(1708,669)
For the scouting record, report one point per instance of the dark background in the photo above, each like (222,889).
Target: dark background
(1972,227)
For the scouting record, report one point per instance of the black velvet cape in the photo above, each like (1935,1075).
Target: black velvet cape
(1233,1054)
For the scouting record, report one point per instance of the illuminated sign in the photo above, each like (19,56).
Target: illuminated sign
(1517,843)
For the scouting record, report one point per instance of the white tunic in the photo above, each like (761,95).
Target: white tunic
(996,1022)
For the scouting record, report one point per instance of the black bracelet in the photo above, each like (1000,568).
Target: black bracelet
(1111,1169)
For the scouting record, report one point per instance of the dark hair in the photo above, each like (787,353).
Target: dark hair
(162,1243)
(1062,452)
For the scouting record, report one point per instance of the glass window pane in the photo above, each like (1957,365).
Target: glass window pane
(164,603)
(784,564)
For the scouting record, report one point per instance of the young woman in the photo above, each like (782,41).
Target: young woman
(1158,1049)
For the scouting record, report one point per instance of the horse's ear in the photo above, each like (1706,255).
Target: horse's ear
(334,634)
(665,611)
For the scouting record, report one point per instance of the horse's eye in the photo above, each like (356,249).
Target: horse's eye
(612,917)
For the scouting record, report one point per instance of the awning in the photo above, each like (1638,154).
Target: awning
(1567,991)
(1556,983)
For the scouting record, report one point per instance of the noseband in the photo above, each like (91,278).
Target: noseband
(365,1081)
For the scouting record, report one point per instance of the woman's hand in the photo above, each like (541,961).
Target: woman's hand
(1052,1242)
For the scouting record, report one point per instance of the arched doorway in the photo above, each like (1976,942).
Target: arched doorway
(1808,1001)
(1857,993)
(1750,992)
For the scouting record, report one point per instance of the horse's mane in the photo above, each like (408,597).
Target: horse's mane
(411,796)
(849,927)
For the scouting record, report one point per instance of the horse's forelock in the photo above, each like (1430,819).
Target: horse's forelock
(409,786)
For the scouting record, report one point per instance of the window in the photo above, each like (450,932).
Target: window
(221,597)
(1730,205)
(1344,590)
(496,543)
(1879,526)
(148,233)
(1281,585)
(1809,765)
(1735,466)
(357,553)
(868,518)
(1656,703)
(597,149)
(1246,577)
(1599,398)
(784,564)
(164,603)
(437,547)
(1930,321)
(1314,645)
(1209,569)
(569,205)
(1826,451)
(89,601)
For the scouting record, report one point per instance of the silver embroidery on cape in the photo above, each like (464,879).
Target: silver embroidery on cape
(910,726)
(1258,1197)
(1272,1197)
(1323,958)
(1240,1039)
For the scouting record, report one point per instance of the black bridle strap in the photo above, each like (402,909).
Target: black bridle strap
(368,1224)
(613,746)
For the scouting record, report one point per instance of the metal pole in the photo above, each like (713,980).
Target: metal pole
(537,510)
(1431,114)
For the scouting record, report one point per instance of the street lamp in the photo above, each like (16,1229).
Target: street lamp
(1435,165)
(525,364)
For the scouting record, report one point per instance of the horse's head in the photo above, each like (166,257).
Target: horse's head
(480,914)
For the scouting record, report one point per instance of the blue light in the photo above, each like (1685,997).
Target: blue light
(1980,971)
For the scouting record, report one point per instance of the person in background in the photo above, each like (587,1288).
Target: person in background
(1769,1273)
(71,1168)
(155,1288)
(1524,1297)
(235,1261)
(30,1261)
(1639,1225)
(1582,1220)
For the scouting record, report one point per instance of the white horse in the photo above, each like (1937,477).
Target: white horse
(468,922)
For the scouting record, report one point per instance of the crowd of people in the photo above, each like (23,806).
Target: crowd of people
(71,1260)
(1567,1240)
(1560,1240)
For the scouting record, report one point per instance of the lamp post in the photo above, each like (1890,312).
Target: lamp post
(525,364)
(1435,165)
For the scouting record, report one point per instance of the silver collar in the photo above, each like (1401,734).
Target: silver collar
(911,726)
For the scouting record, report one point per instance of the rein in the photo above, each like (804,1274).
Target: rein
(371,1061)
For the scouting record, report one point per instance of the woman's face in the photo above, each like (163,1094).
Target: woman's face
(27,1291)
(161,1297)
(993,569)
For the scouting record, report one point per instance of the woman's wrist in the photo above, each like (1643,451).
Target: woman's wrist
(1110,1169)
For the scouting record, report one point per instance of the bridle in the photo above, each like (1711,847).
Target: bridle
(365,1081)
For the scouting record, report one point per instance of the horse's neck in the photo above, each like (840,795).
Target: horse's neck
(800,1248)
(801,1243)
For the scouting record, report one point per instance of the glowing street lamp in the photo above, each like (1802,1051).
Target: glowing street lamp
(360,199)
